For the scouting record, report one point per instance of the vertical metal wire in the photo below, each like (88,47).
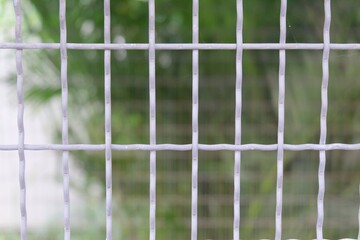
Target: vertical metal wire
(152,100)
(281,116)
(323,124)
(195,113)
(107,86)
(20,120)
(65,129)
(238,110)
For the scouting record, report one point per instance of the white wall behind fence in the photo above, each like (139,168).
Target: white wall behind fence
(43,171)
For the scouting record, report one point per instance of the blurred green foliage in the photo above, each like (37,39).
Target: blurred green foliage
(129,23)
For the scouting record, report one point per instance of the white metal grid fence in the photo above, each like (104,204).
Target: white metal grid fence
(195,146)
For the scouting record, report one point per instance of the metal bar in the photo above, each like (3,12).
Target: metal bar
(323,124)
(184,147)
(238,109)
(20,120)
(107,88)
(182,46)
(195,113)
(152,101)
(65,128)
(281,116)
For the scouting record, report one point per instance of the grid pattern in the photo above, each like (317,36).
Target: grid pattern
(195,146)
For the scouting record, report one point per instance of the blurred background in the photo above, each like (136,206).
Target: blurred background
(130,121)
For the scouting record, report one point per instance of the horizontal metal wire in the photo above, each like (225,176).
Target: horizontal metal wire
(182,46)
(184,147)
